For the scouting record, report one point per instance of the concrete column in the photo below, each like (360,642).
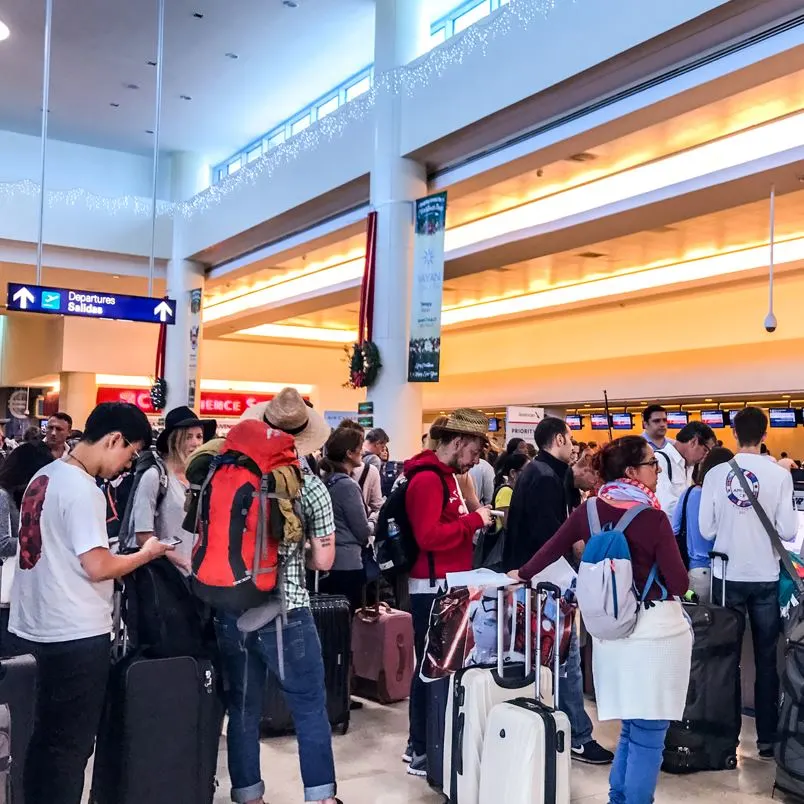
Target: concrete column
(402,30)
(77,395)
(184,277)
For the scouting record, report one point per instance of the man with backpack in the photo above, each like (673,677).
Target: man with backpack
(292,652)
(442,528)
(540,505)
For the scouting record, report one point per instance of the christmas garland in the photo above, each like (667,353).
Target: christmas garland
(364,364)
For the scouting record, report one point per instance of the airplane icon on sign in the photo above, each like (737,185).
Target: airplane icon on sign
(51,300)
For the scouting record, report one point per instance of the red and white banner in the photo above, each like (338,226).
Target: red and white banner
(214,404)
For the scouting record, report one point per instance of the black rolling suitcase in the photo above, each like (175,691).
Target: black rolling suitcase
(18,691)
(438,693)
(708,736)
(333,622)
(160,730)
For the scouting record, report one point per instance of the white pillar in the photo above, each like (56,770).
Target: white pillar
(184,341)
(402,30)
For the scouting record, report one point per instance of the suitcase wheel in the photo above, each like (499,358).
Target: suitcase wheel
(731,762)
(343,728)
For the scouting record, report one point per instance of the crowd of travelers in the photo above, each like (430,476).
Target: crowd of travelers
(81,509)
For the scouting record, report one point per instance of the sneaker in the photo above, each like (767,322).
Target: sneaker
(407,757)
(418,765)
(766,752)
(593,754)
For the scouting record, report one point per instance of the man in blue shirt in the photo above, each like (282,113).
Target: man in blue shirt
(654,418)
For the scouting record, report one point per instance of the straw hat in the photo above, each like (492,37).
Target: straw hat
(463,421)
(288,412)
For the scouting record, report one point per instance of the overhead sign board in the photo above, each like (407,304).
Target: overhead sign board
(521,422)
(90,304)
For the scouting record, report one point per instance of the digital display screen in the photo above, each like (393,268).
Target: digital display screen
(676,419)
(732,415)
(574,421)
(494,425)
(622,421)
(600,421)
(714,418)
(782,417)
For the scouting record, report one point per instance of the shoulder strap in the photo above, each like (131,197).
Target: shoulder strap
(668,462)
(773,535)
(629,516)
(593,516)
(363,475)
(682,529)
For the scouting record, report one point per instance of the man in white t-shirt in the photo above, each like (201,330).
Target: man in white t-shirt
(677,459)
(727,517)
(61,601)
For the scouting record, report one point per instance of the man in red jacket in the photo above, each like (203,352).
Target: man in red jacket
(443,528)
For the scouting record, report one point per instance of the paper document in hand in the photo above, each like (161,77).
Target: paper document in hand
(559,572)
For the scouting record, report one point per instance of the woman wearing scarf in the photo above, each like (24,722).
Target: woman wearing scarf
(642,679)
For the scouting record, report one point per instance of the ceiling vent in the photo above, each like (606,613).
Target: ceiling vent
(583,156)
(591,255)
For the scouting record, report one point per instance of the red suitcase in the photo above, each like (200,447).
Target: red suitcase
(382,653)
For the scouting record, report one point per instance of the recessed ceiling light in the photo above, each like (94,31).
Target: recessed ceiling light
(131,86)
(591,255)
(115,276)
(149,131)
(185,97)
(198,15)
(4,31)
(290,3)
(708,400)
(584,156)
(231,55)
(151,63)
(114,105)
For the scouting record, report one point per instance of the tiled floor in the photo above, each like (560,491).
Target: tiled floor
(370,771)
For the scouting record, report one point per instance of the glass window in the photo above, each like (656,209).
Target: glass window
(472,16)
(357,89)
(328,107)
(439,36)
(254,153)
(234,166)
(277,138)
(300,125)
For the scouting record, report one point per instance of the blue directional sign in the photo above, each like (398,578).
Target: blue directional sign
(90,304)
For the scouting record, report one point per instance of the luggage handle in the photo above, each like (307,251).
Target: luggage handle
(501,627)
(724,563)
(403,658)
(549,588)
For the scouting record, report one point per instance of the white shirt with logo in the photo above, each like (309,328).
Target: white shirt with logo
(63,516)
(728,518)
(674,479)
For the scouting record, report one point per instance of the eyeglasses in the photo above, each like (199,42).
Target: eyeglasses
(654,464)
(136,451)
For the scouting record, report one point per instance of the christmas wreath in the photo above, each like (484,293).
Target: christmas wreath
(364,364)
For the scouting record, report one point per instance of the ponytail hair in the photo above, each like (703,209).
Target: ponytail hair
(340,442)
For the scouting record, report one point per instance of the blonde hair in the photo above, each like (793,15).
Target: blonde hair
(176,446)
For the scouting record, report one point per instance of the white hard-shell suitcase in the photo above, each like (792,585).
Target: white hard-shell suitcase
(475,691)
(526,750)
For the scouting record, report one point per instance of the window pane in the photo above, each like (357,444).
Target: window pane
(277,139)
(354,91)
(254,153)
(328,108)
(472,16)
(233,167)
(220,173)
(300,125)
(438,37)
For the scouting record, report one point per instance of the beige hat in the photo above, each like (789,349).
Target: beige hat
(288,412)
(464,421)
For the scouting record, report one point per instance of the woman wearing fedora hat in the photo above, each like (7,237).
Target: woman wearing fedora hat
(163,518)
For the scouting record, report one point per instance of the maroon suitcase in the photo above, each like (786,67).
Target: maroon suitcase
(382,653)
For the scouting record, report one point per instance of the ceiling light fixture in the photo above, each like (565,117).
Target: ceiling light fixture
(131,86)
(232,56)
(114,105)
(198,15)
(185,97)
(4,31)
(149,131)
(151,63)
(290,3)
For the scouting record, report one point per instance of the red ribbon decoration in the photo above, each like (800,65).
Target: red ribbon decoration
(366,320)
(161,346)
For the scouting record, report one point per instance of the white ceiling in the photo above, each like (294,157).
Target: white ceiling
(287,59)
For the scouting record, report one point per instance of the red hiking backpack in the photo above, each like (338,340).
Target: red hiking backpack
(240,522)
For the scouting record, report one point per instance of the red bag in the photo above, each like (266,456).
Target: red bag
(240,523)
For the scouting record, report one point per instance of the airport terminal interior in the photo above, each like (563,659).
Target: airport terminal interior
(403,208)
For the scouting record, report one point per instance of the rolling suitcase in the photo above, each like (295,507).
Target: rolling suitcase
(333,622)
(437,694)
(526,747)
(18,692)
(382,653)
(475,691)
(709,733)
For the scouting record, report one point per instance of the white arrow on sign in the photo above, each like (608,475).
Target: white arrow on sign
(24,297)
(163,310)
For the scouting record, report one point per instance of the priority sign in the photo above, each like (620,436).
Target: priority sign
(90,304)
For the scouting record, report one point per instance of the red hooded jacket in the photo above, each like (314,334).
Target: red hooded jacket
(446,532)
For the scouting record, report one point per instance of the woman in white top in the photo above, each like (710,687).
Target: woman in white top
(160,494)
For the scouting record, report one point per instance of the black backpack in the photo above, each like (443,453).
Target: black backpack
(397,556)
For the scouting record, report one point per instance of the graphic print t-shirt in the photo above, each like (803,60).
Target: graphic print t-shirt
(63,516)
(727,517)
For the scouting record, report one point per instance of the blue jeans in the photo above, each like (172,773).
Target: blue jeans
(570,691)
(246,659)
(637,761)
(760,601)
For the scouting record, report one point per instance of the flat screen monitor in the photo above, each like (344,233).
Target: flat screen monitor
(716,419)
(494,424)
(622,421)
(599,421)
(732,415)
(782,417)
(676,419)
(574,421)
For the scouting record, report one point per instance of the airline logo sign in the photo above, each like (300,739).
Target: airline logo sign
(90,304)
(521,422)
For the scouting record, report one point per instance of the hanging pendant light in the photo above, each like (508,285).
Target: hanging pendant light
(770,319)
